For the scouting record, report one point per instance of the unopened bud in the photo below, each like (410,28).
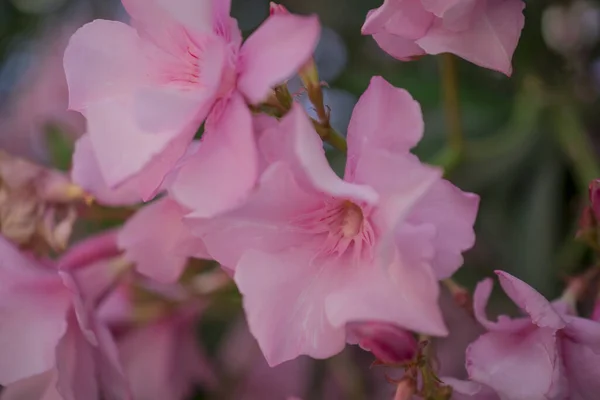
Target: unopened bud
(406,388)
(275,8)
(388,343)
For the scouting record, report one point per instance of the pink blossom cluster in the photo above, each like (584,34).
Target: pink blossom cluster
(320,260)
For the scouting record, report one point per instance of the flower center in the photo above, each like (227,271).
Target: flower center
(340,228)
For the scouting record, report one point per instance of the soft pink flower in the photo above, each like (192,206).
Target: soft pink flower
(546,355)
(484,32)
(312,252)
(158,242)
(50,336)
(146,89)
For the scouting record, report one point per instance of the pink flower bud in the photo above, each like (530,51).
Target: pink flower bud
(388,343)
(275,8)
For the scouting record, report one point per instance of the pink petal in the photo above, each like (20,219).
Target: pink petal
(533,303)
(225,165)
(158,242)
(378,18)
(456,14)
(516,366)
(170,24)
(285,304)
(399,193)
(491,40)
(112,126)
(582,368)
(274,52)
(33,310)
(306,155)
(157,359)
(191,14)
(583,331)
(104,59)
(75,365)
(86,371)
(398,47)
(365,292)
(159,109)
(262,223)
(453,213)
(385,117)
(480,299)
(37,387)
(86,173)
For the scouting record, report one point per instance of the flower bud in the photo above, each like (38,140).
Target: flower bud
(388,343)
(275,8)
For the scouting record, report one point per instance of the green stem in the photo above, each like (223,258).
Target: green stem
(452,112)
(329,135)
(574,141)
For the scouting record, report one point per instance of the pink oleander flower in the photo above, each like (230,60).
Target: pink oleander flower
(156,240)
(312,252)
(550,354)
(483,32)
(53,345)
(146,88)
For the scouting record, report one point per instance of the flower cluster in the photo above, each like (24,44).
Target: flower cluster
(197,123)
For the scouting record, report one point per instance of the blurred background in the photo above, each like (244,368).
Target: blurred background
(532,142)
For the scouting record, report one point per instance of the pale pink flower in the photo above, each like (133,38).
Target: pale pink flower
(158,242)
(50,336)
(146,89)
(312,252)
(546,355)
(483,32)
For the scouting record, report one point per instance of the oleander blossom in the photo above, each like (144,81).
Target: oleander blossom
(312,252)
(548,354)
(484,32)
(146,88)
(52,342)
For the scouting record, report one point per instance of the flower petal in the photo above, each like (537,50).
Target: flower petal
(284,296)
(86,173)
(112,128)
(491,40)
(104,59)
(225,165)
(158,242)
(516,366)
(529,300)
(262,223)
(453,213)
(385,117)
(277,50)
